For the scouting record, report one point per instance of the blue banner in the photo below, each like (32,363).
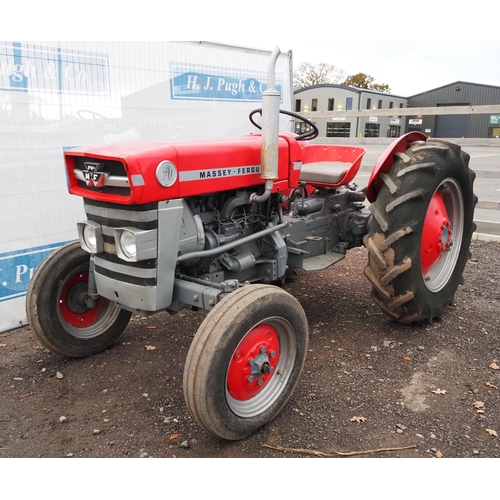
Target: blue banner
(25,66)
(216,84)
(17,268)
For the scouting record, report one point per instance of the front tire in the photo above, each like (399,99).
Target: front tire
(57,313)
(419,236)
(245,360)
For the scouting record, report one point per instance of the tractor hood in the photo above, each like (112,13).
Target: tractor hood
(148,171)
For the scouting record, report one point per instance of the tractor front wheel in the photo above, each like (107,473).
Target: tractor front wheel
(245,360)
(419,235)
(57,310)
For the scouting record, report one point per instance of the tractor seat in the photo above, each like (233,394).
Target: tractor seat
(324,172)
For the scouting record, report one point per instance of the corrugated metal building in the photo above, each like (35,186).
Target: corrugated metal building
(456,94)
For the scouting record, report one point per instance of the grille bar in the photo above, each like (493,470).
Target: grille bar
(107,180)
(119,214)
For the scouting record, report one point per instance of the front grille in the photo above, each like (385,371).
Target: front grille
(114,179)
(111,216)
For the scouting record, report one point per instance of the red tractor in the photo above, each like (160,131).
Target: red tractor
(217,225)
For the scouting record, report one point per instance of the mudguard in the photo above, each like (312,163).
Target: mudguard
(386,161)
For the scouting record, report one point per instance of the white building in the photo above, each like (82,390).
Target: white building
(330,97)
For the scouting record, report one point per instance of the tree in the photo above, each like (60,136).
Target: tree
(309,74)
(364,81)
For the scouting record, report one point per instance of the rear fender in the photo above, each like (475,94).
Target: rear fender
(386,161)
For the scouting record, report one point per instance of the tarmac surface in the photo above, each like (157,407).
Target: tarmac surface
(484,160)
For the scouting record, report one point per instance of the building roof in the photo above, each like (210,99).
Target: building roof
(359,91)
(461,82)
(345,87)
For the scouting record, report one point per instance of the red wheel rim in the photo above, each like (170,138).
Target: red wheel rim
(436,234)
(253,363)
(72,307)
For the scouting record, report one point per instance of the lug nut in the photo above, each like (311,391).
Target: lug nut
(250,379)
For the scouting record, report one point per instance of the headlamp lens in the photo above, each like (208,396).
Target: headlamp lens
(89,237)
(128,244)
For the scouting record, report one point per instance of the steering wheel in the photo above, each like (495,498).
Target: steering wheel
(312,134)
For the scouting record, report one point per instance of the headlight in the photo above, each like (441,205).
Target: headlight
(90,235)
(134,245)
(128,244)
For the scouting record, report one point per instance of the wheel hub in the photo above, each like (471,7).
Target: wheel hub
(75,298)
(436,234)
(72,305)
(254,363)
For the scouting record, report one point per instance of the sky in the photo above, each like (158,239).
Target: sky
(408,67)
(411,67)
(413,47)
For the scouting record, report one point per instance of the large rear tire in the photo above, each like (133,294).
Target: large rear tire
(245,360)
(56,310)
(419,236)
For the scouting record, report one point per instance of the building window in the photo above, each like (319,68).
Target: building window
(391,104)
(380,104)
(338,129)
(400,104)
(393,131)
(297,106)
(368,103)
(348,104)
(331,104)
(372,129)
(314,105)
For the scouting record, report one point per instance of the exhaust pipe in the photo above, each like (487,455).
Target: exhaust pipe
(270,131)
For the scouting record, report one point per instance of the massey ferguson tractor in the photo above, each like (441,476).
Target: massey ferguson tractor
(218,225)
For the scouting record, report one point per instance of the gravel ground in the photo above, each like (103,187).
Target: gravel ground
(370,388)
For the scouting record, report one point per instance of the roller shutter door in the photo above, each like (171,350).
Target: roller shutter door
(451,125)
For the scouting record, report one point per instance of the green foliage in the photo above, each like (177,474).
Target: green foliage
(364,81)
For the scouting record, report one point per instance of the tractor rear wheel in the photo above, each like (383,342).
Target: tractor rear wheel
(57,312)
(245,360)
(419,236)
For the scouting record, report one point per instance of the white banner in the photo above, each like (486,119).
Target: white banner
(58,95)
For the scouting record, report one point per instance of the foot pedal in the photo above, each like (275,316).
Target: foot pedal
(321,261)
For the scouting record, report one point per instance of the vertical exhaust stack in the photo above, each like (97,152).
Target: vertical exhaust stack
(270,122)
(270,131)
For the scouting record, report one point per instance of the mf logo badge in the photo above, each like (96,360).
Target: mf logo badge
(166,173)
(93,174)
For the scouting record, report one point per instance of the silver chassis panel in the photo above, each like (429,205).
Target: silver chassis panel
(127,295)
(150,298)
